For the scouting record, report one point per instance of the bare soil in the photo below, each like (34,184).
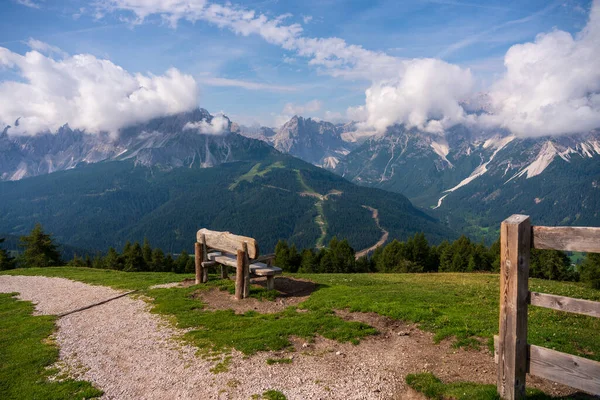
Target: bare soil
(291,292)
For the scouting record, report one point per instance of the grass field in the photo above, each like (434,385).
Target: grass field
(26,354)
(463,307)
(459,306)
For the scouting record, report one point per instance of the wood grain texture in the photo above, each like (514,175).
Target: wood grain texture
(239,275)
(563,303)
(198,259)
(567,238)
(577,372)
(246,271)
(228,242)
(256,268)
(515,245)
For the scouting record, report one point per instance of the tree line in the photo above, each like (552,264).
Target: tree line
(40,250)
(415,255)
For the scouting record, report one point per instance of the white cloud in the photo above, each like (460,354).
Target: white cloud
(299,109)
(304,110)
(29,3)
(249,85)
(45,48)
(218,125)
(87,93)
(551,86)
(307,18)
(426,95)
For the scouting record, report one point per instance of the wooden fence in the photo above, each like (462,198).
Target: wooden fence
(514,356)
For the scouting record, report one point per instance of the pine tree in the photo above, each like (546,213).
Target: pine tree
(147,253)
(134,259)
(309,264)
(157,263)
(590,270)
(6,261)
(181,262)
(113,260)
(39,249)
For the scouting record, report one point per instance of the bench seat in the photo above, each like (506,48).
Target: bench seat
(256,268)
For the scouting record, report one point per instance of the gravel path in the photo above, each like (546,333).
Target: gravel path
(133,354)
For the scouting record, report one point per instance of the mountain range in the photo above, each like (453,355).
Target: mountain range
(165,179)
(468,178)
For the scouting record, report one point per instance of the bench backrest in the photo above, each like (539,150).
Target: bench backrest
(228,242)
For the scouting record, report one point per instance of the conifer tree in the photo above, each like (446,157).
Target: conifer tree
(147,253)
(112,260)
(6,261)
(157,263)
(134,259)
(590,270)
(39,249)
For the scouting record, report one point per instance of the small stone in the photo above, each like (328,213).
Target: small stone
(338,353)
(403,333)
(305,345)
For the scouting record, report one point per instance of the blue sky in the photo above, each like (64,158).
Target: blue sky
(252,80)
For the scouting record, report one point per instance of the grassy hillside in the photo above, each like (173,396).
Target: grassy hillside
(273,197)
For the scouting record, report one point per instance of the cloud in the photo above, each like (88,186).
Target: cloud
(249,85)
(299,109)
(426,95)
(217,126)
(290,109)
(45,48)
(307,18)
(87,93)
(552,85)
(28,3)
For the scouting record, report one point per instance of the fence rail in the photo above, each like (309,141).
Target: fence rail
(514,356)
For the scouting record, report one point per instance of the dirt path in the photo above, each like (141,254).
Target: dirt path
(132,354)
(382,240)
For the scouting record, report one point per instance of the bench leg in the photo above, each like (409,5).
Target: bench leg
(204,275)
(270,282)
(224,272)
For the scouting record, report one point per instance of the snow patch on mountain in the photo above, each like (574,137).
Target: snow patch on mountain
(442,150)
(543,160)
(330,162)
(498,144)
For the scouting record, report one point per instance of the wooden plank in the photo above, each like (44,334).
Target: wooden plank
(256,268)
(198,259)
(225,260)
(577,372)
(563,303)
(228,242)
(567,238)
(239,275)
(515,245)
(246,271)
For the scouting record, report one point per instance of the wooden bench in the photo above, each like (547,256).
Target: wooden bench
(214,248)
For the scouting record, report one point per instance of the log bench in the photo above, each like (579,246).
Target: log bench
(213,248)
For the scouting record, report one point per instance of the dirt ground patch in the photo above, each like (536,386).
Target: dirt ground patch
(290,292)
(420,353)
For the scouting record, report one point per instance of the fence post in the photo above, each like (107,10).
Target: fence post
(198,259)
(515,248)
